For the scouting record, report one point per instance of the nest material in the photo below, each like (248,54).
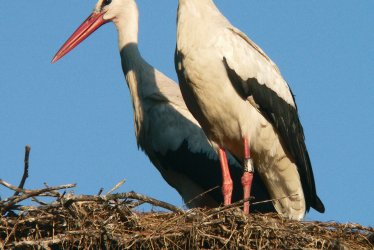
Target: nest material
(113,221)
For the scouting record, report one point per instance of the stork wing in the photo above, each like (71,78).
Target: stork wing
(177,146)
(256,78)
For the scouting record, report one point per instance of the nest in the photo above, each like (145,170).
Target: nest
(114,221)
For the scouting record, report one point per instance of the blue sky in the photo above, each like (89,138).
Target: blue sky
(77,115)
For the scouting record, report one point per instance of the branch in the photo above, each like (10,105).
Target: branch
(129,195)
(133,195)
(8,203)
(277,199)
(117,186)
(25,169)
(200,195)
(14,188)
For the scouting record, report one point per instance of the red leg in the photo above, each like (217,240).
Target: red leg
(227,185)
(247,175)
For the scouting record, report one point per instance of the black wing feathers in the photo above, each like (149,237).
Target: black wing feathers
(285,120)
(206,173)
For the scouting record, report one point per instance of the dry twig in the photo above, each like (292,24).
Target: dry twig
(25,170)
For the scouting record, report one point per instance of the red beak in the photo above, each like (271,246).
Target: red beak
(92,23)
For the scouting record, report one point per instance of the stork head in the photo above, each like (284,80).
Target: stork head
(105,11)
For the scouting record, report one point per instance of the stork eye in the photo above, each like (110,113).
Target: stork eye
(106,2)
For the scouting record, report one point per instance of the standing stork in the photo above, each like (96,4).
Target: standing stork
(244,105)
(165,129)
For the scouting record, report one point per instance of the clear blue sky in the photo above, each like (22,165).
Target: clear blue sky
(77,115)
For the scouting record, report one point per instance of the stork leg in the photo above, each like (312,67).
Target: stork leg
(227,185)
(247,175)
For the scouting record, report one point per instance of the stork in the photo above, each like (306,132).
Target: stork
(240,99)
(165,129)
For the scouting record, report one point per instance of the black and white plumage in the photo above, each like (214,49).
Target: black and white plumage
(235,91)
(164,128)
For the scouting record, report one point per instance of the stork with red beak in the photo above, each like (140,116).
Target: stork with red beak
(244,105)
(164,128)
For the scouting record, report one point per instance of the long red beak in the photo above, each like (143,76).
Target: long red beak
(92,23)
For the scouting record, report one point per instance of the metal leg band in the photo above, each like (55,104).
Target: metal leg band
(248,165)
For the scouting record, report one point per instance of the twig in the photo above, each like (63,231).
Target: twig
(39,201)
(117,186)
(14,188)
(136,204)
(200,195)
(57,194)
(277,199)
(25,169)
(25,191)
(129,195)
(133,195)
(232,205)
(241,202)
(8,203)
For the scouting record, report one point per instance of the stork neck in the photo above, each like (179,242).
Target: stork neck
(127,35)
(197,18)
(127,23)
(133,68)
(197,7)
(131,59)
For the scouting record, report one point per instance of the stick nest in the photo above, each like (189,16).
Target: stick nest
(113,221)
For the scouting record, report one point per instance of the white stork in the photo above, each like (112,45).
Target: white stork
(244,105)
(164,127)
